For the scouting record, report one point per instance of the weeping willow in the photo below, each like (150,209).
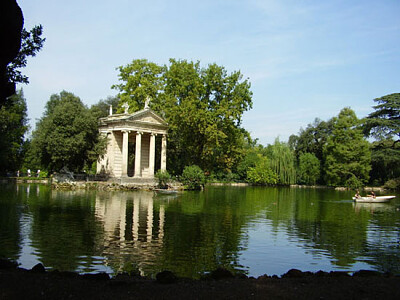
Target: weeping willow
(282,161)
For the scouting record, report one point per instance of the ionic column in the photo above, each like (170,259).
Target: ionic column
(152,153)
(138,154)
(125,136)
(164,153)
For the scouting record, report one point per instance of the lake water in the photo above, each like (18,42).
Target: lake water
(251,230)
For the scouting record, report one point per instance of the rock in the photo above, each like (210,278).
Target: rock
(321,273)
(166,277)
(8,264)
(339,274)
(367,273)
(39,268)
(97,276)
(294,273)
(221,273)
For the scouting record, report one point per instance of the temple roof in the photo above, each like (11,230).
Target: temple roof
(145,120)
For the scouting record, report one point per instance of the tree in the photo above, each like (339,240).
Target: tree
(384,122)
(309,169)
(102,108)
(385,161)
(203,107)
(193,177)
(262,174)
(13,126)
(384,125)
(282,162)
(313,138)
(32,43)
(67,134)
(347,154)
(140,79)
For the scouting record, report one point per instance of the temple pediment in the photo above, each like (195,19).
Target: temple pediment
(142,119)
(146,116)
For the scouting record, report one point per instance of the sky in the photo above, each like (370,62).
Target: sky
(304,59)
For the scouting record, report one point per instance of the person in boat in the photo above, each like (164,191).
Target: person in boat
(372,195)
(357,195)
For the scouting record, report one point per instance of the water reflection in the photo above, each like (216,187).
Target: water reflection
(253,230)
(132,225)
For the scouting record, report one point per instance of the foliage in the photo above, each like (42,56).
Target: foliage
(385,161)
(13,126)
(31,44)
(102,108)
(261,173)
(282,162)
(67,134)
(309,169)
(313,138)
(203,107)
(252,154)
(383,123)
(347,154)
(392,184)
(163,178)
(193,177)
(353,182)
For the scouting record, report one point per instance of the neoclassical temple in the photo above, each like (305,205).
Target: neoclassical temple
(129,134)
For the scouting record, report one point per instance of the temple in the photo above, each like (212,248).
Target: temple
(131,144)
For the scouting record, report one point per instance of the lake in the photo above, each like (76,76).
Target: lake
(250,230)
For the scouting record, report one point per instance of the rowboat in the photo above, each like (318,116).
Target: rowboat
(379,199)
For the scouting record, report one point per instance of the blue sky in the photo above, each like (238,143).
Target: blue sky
(304,59)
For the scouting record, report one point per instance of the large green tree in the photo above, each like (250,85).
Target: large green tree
(383,124)
(203,107)
(309,169)
(282,161)
(67,134)
(13,126)
(347,153)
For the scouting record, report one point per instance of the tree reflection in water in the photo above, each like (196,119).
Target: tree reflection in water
(251,230)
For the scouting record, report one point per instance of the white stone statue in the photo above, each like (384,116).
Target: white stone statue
(125,106)
(146,103)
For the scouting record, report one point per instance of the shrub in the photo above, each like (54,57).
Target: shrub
(262,175)
(163,178)
(193,177)
(353,182)
(392,184)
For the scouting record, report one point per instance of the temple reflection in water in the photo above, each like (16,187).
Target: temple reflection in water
(133,228)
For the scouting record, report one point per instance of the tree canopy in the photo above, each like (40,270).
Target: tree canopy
(32,43)
(67,134)
(384,122)
(13,126)
(347,153)
(203,107)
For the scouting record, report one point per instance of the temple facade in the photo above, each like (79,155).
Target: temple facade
(131,144)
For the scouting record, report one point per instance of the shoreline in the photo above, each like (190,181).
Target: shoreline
(115,186)
(38,283)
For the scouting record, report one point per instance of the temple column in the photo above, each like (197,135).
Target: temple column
(138,154)
(164,153)
(125,136)
(152,153)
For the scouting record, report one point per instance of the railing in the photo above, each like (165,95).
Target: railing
(77,177)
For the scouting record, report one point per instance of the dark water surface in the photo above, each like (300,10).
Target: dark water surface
(253,230)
